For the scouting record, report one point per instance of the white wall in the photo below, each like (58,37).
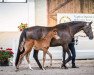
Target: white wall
(12,14)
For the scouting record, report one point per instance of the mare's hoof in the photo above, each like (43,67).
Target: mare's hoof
(64,67)
(75,67)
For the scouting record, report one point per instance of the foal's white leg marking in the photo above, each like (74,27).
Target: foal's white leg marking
(43,68)
(30,67)
(50,57)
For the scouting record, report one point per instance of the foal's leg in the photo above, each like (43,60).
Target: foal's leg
(28,47)
(20,60)
(26,52)
(44,57)
(50,55)
(27,58)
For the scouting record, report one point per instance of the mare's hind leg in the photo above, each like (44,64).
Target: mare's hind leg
(50,55)
(35,55)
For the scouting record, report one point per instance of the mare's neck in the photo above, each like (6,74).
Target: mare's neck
(76,29)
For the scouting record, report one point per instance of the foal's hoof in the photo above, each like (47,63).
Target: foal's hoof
(31,69)
(16,70)
(50,65)
(43,69)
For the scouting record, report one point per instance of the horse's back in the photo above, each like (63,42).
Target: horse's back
(36,32)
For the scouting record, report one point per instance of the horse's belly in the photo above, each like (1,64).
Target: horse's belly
(40,45)
(56,43)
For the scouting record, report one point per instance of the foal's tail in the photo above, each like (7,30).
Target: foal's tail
(20,46)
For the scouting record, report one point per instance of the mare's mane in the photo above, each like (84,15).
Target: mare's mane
(65,25)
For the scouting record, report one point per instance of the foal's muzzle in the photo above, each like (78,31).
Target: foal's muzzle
(57,37)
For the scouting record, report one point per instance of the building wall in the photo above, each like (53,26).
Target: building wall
(41,12)
(11,39)
(13,14)
(68,6)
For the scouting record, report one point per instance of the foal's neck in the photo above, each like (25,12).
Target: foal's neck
(48,37)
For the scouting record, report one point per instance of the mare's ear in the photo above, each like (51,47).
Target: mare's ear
(90,23)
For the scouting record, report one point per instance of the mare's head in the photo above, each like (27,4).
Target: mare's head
(88,29)
(54,34)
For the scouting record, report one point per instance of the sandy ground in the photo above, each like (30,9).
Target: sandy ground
(86,67)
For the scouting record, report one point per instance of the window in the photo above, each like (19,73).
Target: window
(13,1)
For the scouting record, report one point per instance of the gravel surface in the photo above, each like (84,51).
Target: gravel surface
(86,67)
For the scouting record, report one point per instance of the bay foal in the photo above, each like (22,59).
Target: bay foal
(41,44)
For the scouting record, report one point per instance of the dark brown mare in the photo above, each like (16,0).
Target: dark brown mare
(66,31)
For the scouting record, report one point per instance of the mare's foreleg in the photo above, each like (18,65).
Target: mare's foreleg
(50,55)
(65,49)
(64,56)
(69,56)
(35,55)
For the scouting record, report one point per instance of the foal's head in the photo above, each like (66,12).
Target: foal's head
(53,33)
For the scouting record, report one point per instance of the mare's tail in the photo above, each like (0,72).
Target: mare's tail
(19,52)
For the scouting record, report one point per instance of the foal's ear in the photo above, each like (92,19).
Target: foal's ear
(55,30)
